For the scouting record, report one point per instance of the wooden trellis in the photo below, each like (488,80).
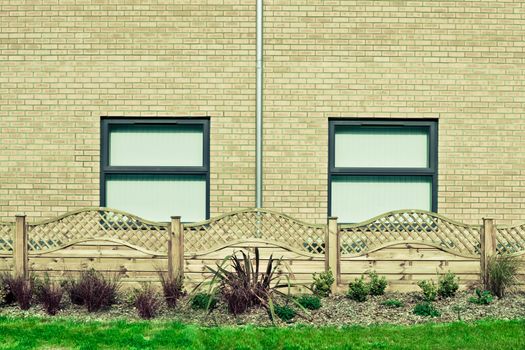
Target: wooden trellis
(254,224)
(410,226)
(97,223)
(6,237)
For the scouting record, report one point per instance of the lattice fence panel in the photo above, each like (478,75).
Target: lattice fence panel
(98,223)
(510,240)
(410,226)
(259,224)
(7,233)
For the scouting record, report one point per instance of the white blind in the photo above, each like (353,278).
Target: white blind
(359,198)
(378,146)
(158,197)
(156,145)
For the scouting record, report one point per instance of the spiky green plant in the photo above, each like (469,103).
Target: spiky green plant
(502,271)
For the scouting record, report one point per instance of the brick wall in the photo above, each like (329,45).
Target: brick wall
(461,62)
(66,63)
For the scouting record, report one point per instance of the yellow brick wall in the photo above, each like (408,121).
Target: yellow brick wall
(63,64)
(461,62)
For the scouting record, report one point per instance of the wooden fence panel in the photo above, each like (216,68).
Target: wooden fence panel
(301,245)
(107,240)
(405,246)
(132,265)
(409,246)
(297,265)
(404,264)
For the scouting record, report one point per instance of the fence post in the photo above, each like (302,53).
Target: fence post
(175,248)
(20,247)
(332,251)
(488,247)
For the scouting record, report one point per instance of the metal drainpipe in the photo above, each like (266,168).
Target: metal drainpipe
(259,105)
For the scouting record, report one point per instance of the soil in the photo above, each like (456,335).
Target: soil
(334,311)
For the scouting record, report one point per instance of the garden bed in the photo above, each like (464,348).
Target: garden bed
(334,311)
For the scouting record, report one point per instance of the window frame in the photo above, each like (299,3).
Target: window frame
(106,169)
(430,171)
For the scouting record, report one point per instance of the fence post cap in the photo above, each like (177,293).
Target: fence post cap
(20,215)
(332,218)
(175,217)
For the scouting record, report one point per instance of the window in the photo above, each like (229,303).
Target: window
(381,165)
(156,168)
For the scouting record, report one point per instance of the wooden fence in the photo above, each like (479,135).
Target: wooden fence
(405,246)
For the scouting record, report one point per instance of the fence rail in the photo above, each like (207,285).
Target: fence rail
(405,246)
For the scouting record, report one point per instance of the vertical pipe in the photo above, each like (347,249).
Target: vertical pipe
(259,105)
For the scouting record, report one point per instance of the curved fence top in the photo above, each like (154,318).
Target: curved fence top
(93,223)
(410,225)
(263,225)
(6,237)
(254,223)
(510,239)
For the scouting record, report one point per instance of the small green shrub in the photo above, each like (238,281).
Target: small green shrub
(458,309)
(482,297)
(502,271)
(310,302)
(284,312)
(358,290)
(429,290)
(377,285)
(203,301)
(322,285)
(448,285)
(392,303)
(426,309)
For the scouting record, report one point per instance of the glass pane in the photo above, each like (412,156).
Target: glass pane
(381,147)
(359,198)
(155,145)
(158,197)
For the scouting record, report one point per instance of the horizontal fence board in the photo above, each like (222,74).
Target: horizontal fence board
(400,252)
(271,249)
(102,264)
(197,278)
(123,276)
(409,266)
(349,277)
(262,262)
(59,254)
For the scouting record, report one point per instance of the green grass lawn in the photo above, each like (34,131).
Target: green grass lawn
(35,333)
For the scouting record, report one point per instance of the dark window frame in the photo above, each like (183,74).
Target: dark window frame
(431,171)
(106,169)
